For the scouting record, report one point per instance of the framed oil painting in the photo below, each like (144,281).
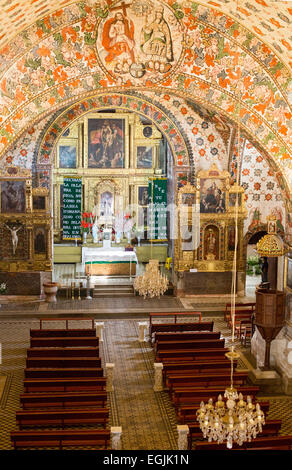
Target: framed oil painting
(144,156)
(107,141)
(212,196)
(67,155)
(13,197)
(143,196)
(39,203)
(39,240)
(231,238)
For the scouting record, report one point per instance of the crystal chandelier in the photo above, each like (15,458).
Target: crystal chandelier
(152,283)
(233,420)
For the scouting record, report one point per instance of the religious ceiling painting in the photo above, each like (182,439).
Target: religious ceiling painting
(65,65)
(140,41)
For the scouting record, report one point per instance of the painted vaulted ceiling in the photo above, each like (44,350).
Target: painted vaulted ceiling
(270,20)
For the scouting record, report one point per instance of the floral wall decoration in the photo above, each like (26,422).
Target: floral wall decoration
(263,194)
(211,59)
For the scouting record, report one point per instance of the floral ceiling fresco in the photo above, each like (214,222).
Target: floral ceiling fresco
(184,51)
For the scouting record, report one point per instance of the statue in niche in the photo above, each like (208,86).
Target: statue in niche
(14,237)
(210,245)
(106,204)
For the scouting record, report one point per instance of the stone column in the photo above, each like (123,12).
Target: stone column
(109,376)
(142,330)
(158,382)
(99,330)
(241,284)
(182,443)
(116,432)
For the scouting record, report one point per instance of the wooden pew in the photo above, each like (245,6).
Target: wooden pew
(63,362)
(64,385)
(57,333)
(259,443)
(187,413)
(271,428)
(63,400)
(196,367)
(60,438)
(62,352)
(177,355)
(239,306)
(188,344)
(190,326)
(43,373)
(186,335)
(63,342)
(205,379)
(62,418)
(175,315)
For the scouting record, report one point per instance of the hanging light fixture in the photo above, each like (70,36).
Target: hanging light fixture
(152,283)
(270,245)
(233,419)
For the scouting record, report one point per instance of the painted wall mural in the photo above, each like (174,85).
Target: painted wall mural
(262,191)
(209,56)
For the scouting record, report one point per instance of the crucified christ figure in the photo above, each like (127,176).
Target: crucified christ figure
(14,237)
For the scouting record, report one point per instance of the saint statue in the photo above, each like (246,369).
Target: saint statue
(210,245)
(156,42)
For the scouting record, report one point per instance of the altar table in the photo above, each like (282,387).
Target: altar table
(109,262)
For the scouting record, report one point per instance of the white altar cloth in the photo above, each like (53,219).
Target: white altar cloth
(101,256)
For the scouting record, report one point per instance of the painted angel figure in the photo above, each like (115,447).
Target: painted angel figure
(14,237)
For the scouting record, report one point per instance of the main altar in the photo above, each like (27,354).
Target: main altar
(113,261)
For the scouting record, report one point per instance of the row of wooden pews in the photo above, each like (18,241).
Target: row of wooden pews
(64,403)
(195,369)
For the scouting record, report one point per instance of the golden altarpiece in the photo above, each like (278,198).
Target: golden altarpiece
(204,249)
(115,154)
(25,232)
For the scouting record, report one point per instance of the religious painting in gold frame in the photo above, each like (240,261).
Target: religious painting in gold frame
(106,141)
(13,196)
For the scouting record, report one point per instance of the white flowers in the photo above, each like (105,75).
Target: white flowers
(3,288)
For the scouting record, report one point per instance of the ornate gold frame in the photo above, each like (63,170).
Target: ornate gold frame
(125,117)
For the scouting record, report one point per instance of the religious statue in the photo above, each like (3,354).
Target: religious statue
(210,245)
(118,41)
(14,237)
(156,42)
(95,230)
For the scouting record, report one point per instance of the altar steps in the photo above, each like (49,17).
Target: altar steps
(125,290)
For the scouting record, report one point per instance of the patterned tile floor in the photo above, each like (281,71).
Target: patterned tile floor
(147,417)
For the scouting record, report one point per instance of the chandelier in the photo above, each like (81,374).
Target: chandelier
(152,283)
(233,420)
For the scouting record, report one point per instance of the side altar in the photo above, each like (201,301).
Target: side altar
(108,261)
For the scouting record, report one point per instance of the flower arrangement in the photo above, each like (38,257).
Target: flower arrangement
(3,288)
(86,222)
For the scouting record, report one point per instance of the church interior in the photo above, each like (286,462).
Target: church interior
(145,225)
